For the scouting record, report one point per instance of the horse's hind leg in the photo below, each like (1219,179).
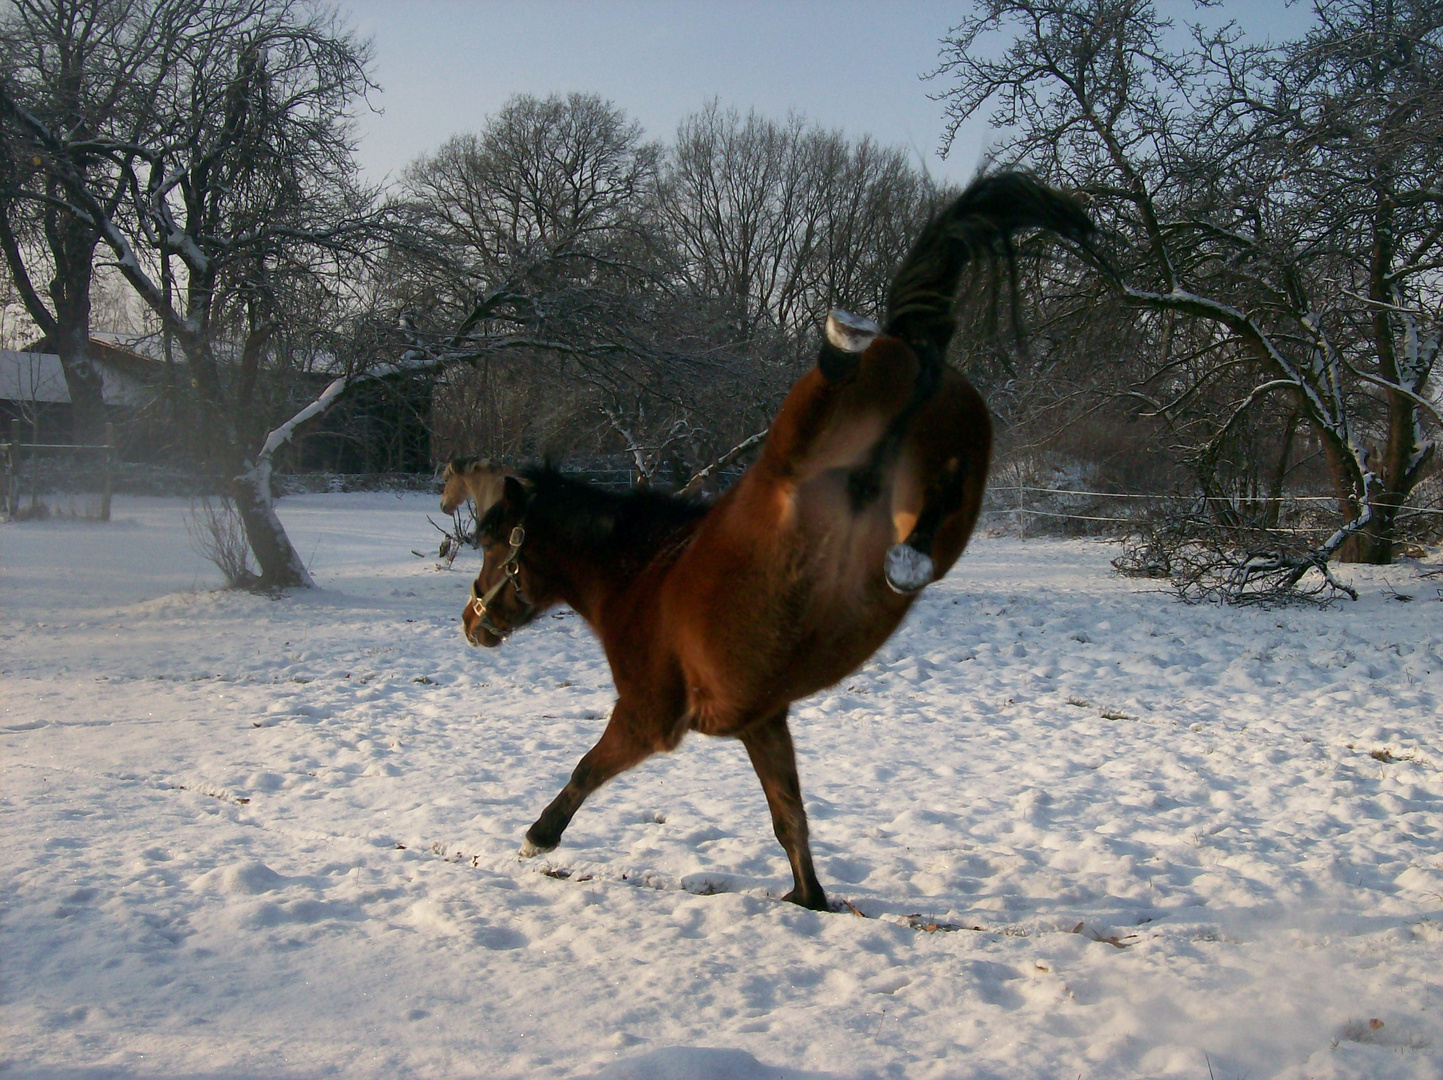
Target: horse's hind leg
(952,470)
(908,566)
(620,747)
(769,745)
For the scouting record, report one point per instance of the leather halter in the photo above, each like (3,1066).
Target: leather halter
(510,568)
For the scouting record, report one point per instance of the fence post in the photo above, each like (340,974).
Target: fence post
(109,471)
(12,493)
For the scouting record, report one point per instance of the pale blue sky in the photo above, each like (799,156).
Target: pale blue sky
(445,65)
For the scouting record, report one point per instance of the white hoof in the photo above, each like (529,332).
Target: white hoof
(907,570)
(530,850)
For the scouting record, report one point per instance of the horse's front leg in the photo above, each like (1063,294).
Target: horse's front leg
(769,745)
(621,746)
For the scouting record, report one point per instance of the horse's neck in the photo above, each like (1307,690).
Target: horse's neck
(587,579)
(597,545)
(484,490)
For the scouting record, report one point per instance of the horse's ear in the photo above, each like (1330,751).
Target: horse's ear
(846,338)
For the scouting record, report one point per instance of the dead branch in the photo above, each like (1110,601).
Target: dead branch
(696,482)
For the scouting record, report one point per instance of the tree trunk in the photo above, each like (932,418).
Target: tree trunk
(72,242)
(1402,456)
(281,567)
(1272,508)
(68,328)
(280,564)
(250,483)
(1359,547)
(82,378)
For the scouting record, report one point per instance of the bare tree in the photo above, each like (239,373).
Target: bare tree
(872,201)
(240,183)
(539,230)
(554,179)
(1359,119)
(1276,221)
(784,220)
(665,291)
(76,80)
(549,270)
(742,210)
(649,441)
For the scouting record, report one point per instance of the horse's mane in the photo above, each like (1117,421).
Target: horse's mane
(593,519)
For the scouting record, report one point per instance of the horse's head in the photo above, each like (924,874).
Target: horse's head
(471,478)
(510,591)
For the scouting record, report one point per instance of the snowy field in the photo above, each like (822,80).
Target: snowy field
(1093,833)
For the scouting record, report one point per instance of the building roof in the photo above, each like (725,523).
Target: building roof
(140,352)
(32,376)
(37,377)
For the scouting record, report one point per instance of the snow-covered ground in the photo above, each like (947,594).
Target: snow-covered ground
(1094,833)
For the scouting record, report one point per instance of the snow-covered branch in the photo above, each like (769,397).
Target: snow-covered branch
(696,482)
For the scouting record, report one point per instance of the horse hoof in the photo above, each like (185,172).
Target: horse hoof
(816,901)
(530,849)
(907,570)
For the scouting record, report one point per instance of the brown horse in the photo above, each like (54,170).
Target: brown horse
(716,619)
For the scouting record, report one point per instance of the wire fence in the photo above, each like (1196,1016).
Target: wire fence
(1020,502)
(20,460)
(1015,502)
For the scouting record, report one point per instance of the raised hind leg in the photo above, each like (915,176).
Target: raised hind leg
(769,745)
(953,443)
(621,746)
(908,567)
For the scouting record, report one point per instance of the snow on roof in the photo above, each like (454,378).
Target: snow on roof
(32,376)
(38,377)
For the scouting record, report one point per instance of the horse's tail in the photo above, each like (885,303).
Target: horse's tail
(979,223)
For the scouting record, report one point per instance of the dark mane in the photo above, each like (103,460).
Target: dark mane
(594,519)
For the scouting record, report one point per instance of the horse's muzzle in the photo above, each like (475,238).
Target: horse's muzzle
(476,634)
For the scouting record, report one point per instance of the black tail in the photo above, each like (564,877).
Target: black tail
(979,224)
